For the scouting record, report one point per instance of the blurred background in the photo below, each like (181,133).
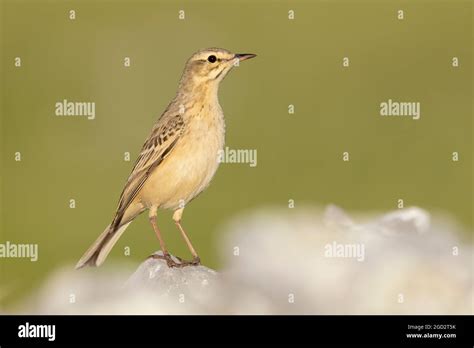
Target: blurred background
(299,155)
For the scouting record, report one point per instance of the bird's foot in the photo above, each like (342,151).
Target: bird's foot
(169,260)
(194,262)
(172,263)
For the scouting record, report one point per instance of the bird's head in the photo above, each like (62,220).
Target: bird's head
(211,65)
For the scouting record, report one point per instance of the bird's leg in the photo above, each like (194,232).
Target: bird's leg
(177,219)
(166,255)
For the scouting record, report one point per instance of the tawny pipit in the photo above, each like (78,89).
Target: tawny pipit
(179,158)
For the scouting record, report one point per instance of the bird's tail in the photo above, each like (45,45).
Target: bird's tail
(98,251)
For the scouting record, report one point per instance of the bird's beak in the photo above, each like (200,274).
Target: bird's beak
(244,56)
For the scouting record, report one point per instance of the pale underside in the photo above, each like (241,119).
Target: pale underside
(177,162)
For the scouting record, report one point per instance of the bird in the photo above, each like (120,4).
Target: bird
(178,159)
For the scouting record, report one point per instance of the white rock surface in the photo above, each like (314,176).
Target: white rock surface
(409,263)
(152,288)
(189,282)
(404,261)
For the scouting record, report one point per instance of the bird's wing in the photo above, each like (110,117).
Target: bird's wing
(164,136)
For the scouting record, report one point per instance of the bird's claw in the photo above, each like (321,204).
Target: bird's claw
(194,262)
(182,263)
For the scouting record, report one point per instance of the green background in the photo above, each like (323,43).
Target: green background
(299,156)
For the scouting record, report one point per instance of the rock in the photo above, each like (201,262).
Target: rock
(190,281)
(304,262)
(289,261)
(153,288)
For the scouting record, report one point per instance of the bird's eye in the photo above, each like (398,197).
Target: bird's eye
(212,59)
